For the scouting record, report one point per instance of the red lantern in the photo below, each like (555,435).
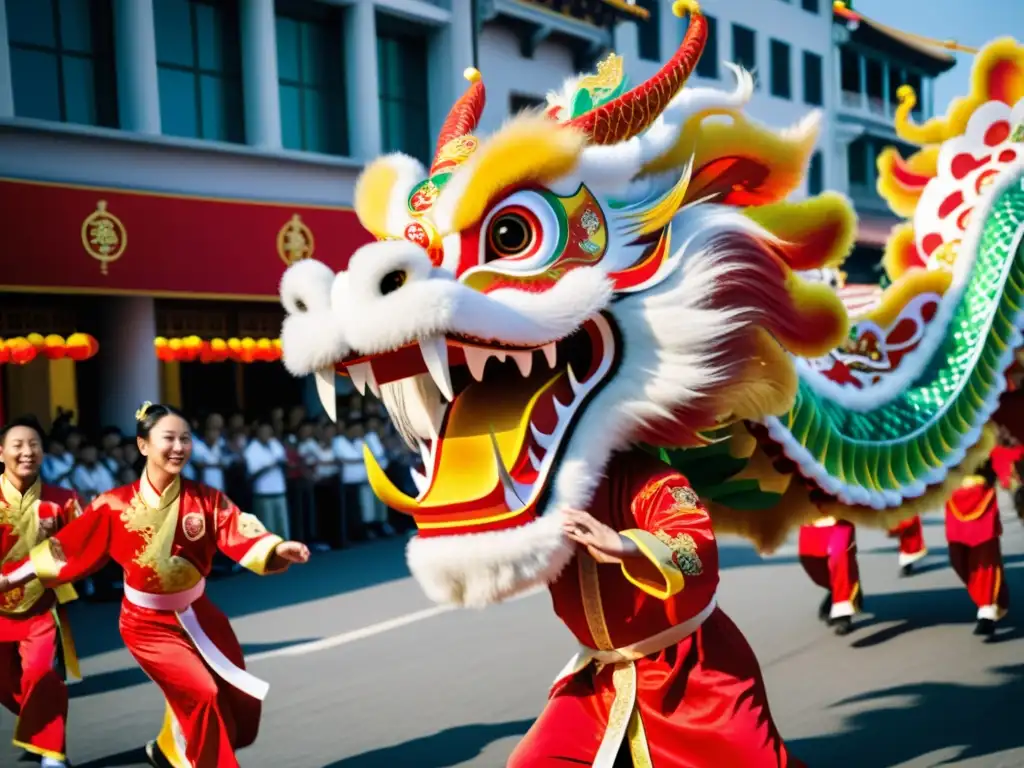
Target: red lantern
(54,347)
(37,340)
(80,346)
(22,351)
(5,352)
(219,350)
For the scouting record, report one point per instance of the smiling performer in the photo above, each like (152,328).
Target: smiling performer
(32,620)
(164,532)
(592,325)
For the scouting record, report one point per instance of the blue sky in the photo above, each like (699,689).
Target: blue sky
(970,22)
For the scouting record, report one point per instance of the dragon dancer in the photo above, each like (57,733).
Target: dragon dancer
(592,325)
(828,554)
(32,618)
(164,532)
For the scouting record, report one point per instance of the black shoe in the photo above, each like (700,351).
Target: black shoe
(155,757)
(825,608)
(907,569)
(843,625)
(985,627)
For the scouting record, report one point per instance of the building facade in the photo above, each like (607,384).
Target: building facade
(162,161)
(871,62)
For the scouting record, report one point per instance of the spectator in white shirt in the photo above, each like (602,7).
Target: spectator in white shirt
(265,461)
(208,457)
(58,464)
(91,477)
(301,475)
(379,521)
(357,495)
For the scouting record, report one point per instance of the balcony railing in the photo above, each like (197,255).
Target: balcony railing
(873,105)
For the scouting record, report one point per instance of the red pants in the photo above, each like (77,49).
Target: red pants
(29,685)
(215,717)
(829,556)
(980,568)
(911,538)
(701,703)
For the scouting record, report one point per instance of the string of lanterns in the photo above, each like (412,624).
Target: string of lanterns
(24,349)
(192,348)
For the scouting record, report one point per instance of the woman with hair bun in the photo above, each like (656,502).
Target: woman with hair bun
(164,531)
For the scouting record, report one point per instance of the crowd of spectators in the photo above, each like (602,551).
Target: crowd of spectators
(305,479)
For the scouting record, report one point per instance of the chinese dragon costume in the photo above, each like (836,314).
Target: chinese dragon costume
(609,305)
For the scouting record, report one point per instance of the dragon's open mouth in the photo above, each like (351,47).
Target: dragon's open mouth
(492,421)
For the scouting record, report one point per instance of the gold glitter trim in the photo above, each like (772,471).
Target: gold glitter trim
(593,610)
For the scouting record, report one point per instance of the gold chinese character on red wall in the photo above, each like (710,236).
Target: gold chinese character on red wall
(295,241)
(104,237)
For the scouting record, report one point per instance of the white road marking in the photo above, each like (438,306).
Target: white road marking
(362,633)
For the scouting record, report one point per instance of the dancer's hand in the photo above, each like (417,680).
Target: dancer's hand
(288,552)
(604,543)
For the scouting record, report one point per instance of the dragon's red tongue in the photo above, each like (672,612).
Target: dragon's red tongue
(466,475)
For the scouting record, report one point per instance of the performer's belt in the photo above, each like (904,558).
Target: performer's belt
(622,717)
(180,603)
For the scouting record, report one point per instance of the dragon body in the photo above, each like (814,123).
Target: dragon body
(623,269)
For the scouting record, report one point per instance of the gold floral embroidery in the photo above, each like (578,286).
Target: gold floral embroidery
(651,490)
(57,553)
(686,498)
(684,552)
(249,526)
(157,527)
(47,527)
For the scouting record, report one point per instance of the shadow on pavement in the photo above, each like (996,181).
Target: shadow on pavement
(136,756)
(117,679)
(439,750)
(327,574)
(932,607)
(744,555)
(983,720)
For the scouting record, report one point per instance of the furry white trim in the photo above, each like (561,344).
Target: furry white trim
(311,338)
(480,569)
(912,365)
(433,303)
(990,612)
(668,357)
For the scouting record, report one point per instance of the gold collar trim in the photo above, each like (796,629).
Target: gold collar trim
(155,499)
(17,500)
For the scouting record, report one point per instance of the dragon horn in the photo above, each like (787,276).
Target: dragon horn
(633,112)
(464,115)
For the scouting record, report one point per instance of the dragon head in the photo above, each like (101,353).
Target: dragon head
(617,268)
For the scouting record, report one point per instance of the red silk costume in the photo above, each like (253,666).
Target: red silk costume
(911,537)
(32,621)
(166,543)
(973,529)
(828,553)
(662,673)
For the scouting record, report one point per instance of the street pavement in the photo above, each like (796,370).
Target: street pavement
(365,672)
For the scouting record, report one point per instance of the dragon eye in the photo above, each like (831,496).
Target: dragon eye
(522,235)
(512,233)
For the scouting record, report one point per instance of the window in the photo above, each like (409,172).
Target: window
(780,74)
(744,47)
(311,80)
(649,45)
(895,81)
(814,86)
(402,70)
(815,175)
(811,6)
(62,63)
(857,157)
(707,66)
(199,68)
(517,102)
(915,82)
(873,77)
(849,71)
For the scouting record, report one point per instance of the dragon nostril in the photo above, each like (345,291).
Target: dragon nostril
(300,305)
(392,281)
